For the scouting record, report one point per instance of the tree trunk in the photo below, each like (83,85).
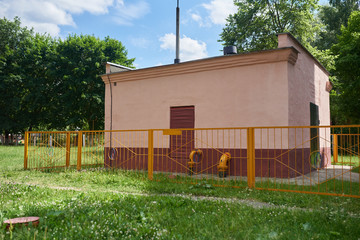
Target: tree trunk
(6,142)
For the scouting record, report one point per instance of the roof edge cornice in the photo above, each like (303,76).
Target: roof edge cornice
(288,54)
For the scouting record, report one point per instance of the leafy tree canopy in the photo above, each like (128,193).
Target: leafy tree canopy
(347,64)
(333,16)
(256,23)
(15,41)
(77,69)
(48,83)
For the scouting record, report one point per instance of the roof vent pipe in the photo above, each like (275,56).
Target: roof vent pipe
(177,59)
(230,50)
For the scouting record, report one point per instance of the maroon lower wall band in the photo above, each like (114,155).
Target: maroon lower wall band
(279,163)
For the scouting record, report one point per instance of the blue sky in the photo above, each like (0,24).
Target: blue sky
(145,27)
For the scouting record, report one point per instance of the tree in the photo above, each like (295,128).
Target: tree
(333,16)
(79,90)
(48,83)
(15,42)
(25,88)
(256,23)
(347,64)
(38,90)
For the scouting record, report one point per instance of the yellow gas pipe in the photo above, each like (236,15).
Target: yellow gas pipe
(223,164)
(195,157)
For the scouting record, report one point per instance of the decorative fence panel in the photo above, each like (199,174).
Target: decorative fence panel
(320,160)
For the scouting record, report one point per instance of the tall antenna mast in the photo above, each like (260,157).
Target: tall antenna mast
(177,59)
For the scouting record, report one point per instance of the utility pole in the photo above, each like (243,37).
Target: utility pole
(177,58)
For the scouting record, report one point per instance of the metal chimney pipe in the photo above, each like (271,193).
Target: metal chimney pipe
(177,58)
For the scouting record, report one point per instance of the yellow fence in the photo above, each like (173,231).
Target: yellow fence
(319,160)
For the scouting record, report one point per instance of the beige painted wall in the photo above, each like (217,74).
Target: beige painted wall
(307,83)
(222,98)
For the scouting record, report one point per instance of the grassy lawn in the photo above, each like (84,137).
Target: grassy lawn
(101,204)
(353,160)
(349,161)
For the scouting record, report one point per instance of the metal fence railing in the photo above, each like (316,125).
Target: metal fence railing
(320,160)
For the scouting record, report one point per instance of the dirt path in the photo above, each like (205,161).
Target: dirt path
(250,203)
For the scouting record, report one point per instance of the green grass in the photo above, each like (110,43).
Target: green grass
(114,204)
(356,170)
(11,157)
(347,160)
(84,215)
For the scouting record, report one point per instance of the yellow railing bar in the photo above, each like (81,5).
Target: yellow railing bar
(78,165)
(150,154)
(251,158)
(335,176)
(124,146)
(67,163)
(26,156)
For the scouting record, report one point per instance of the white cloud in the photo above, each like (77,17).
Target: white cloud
(80,6)
(48,15)
(126,13)
(190,49)
(140,42)
(219,10)
(43,16)
(196,17)
(49,28)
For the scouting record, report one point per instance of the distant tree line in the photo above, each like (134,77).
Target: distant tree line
(51,83)
(330,32)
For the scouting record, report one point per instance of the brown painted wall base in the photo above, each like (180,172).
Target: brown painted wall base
(279,163)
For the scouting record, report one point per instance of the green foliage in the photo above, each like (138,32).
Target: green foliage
(333,16)
(48,83)
(38,85)
(76,70)
(347,63)
(255,24)
(15,41)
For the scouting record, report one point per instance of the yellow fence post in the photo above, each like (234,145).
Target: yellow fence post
(335,147)
(150,154)
(78,165)
(26,140)
(67,150)
(250,158)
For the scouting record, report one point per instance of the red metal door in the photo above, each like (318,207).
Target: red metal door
(182,145)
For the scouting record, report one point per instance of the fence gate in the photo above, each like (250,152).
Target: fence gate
(47,150)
